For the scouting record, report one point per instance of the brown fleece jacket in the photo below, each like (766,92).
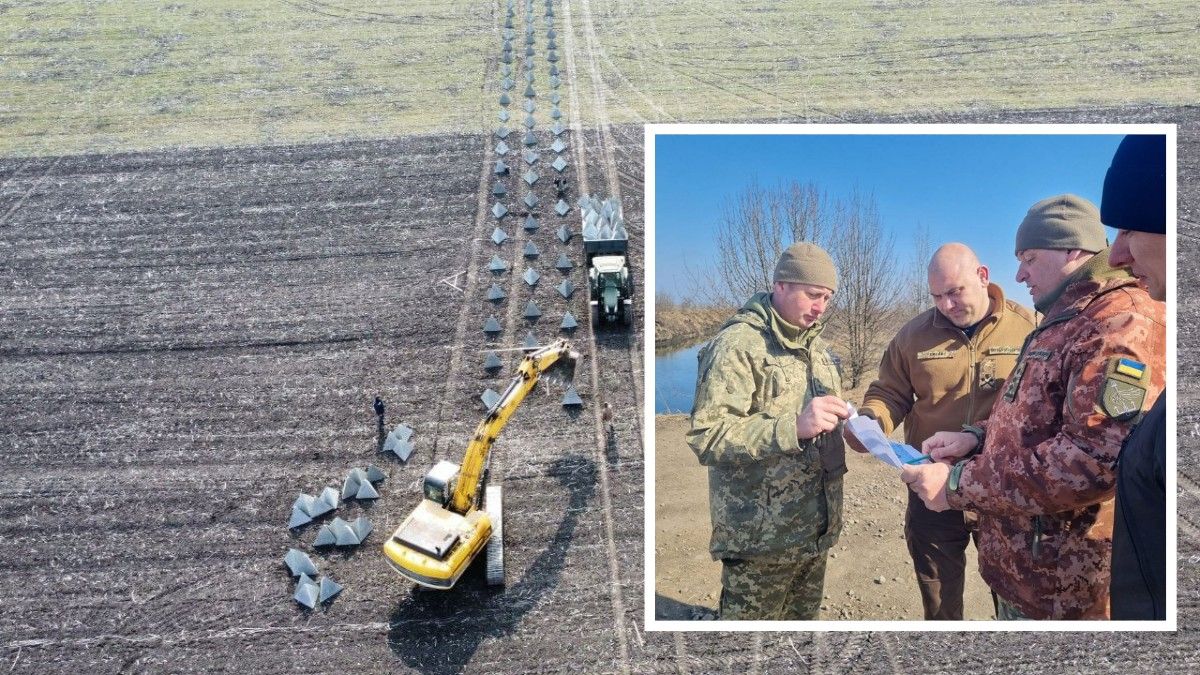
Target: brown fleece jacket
(933,378)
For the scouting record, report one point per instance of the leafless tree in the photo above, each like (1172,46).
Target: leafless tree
(754,228)
(759,223)
(868,283)
(917,274)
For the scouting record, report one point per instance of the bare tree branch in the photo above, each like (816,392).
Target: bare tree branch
(868,286)
(754,228)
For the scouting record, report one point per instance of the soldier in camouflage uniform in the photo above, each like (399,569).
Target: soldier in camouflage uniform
(1043,482)
(766,422)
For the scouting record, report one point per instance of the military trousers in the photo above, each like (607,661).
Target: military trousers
(938,544)
(774,588)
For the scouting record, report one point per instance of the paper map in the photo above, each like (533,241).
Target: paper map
(870,435)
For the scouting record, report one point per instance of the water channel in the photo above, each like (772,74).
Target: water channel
(675,380)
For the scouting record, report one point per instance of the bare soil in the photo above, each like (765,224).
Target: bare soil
(868,575)
(191,340)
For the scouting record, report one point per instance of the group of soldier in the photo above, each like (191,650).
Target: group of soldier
(1045,438)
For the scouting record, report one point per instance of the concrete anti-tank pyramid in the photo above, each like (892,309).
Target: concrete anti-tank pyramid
(572,397)
(325,537)
(492,361)
(307,592)
(329,588)
(366,491)
(490,398)
(375,474)
(299,563)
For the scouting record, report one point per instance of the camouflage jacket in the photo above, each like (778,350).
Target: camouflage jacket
(769,492)
(1043,483)
(932,377)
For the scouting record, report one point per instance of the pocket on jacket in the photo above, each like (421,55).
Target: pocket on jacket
(833,453)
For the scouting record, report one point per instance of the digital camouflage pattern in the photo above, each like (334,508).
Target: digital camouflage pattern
(773,588)
(1043,483)
(769,493)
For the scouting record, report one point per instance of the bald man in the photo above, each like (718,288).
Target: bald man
(942,371)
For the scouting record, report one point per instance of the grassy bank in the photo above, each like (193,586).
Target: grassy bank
(677,327)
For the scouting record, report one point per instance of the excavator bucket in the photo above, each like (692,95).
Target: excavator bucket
(562,371)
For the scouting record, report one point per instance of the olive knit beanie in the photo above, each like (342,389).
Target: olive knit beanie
(1065,222)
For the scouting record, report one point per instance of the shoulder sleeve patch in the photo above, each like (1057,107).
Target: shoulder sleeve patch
(1124,390)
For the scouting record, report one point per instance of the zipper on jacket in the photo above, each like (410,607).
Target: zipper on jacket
(974,377)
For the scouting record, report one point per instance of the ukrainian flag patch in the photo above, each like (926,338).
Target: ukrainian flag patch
(1131,368)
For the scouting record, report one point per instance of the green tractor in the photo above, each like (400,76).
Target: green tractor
(605,243)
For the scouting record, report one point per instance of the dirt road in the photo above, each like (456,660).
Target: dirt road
(869,574)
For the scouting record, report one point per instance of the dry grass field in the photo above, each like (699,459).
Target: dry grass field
(99,76)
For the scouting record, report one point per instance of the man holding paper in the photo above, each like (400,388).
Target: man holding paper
(941,371)
(1042,479)
(765,423)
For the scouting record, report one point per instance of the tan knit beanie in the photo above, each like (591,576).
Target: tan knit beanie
(806,263)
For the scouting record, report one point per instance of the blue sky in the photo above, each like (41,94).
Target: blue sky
(969,188)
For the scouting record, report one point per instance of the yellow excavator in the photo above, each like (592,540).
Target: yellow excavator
(437,541)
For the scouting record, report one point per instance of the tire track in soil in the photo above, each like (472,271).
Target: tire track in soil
(1187,520)
(601,449)
(472,276)
(32,188)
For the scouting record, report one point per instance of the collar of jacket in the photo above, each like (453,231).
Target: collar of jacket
(1096,276)
(760,313)
(996,312)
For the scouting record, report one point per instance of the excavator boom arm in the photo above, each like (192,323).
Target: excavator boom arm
(466,492)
